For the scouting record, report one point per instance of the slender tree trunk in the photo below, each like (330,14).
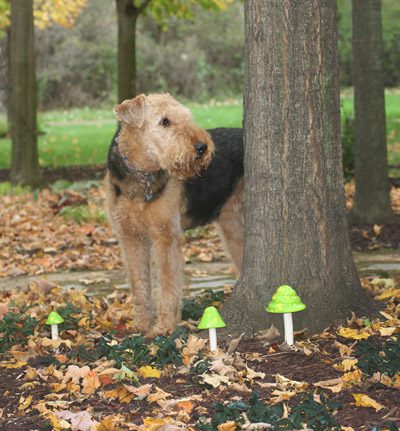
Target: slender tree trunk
(127,16)
(8,77)
(372,199)
(295,221)
(24,163)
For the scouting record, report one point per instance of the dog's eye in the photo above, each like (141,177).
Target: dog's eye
(165,122)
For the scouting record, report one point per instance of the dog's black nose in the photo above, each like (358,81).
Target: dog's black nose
(200,148)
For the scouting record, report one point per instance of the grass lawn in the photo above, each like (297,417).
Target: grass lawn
(82,136)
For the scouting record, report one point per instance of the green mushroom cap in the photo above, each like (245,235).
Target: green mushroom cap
(285,300)
(211,319)
(54,319)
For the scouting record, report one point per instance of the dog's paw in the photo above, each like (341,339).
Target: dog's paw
(159,329)
(141,327)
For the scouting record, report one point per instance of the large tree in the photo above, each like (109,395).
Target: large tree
(295,220)
(18,18)
(23,100)
(128,12)
(372,199)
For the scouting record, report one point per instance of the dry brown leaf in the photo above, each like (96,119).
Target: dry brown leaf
(80,421)
(334,385)
(158,395)
(194,345)
(227,426)
(233,344)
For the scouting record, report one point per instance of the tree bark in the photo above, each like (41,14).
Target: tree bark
(372,199)
(295,221)
(127,16)
(25,163)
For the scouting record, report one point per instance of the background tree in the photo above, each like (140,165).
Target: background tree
(295,220)
(22,98)
(128,12)
(372,199)
(25,162)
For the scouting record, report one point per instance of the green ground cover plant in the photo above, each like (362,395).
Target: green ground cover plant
(82,136)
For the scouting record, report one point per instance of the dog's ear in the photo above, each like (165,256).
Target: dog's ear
(131,111)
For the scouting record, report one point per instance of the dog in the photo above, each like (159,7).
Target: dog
(164,175)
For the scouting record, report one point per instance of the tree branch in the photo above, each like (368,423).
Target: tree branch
(142,7)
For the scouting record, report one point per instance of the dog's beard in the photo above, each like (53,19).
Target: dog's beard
(192,167)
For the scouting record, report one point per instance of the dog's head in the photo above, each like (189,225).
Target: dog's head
(165,131)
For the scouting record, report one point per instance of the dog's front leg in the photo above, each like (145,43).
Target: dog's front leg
(168,255)
(136,253)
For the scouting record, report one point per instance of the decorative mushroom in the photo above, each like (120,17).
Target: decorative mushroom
(211,320)
(54,319)
(285,300)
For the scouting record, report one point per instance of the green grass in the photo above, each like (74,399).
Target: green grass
(82,136)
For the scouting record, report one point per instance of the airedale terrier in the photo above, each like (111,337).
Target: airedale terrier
(166,174)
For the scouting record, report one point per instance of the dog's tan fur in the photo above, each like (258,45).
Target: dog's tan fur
(145,228)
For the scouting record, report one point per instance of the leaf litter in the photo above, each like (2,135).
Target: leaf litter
(97,377)
(101,376)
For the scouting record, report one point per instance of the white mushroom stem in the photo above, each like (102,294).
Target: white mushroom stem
(288,322)
(212,332)
(54,332)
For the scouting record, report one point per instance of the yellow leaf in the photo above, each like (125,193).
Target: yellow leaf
(18,364)
(352,376)
(24,403)
(363,400)
(148,372)
(353,333)
(388,294)
(348,364)
(377,229)
(151,424)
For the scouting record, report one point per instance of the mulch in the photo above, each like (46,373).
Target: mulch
(293,365)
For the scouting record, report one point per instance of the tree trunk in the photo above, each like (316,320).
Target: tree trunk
(127,16)
(372,199)
(295,221)
(24,164)
(8,77)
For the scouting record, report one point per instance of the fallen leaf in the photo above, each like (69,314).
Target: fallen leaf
(352,376)
(233,344)
(187,406)
(377,229)
(90,383)
(141,392)
(363,400)
(24,403)
(158,395)
(214,380)
(353,333)
(334,385)
(387,331)
(343,349)
(80,421)
(348,364)
(194,345)
(148,372)
(388,294)
(227,426)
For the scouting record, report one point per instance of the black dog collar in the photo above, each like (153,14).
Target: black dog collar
(146,178)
